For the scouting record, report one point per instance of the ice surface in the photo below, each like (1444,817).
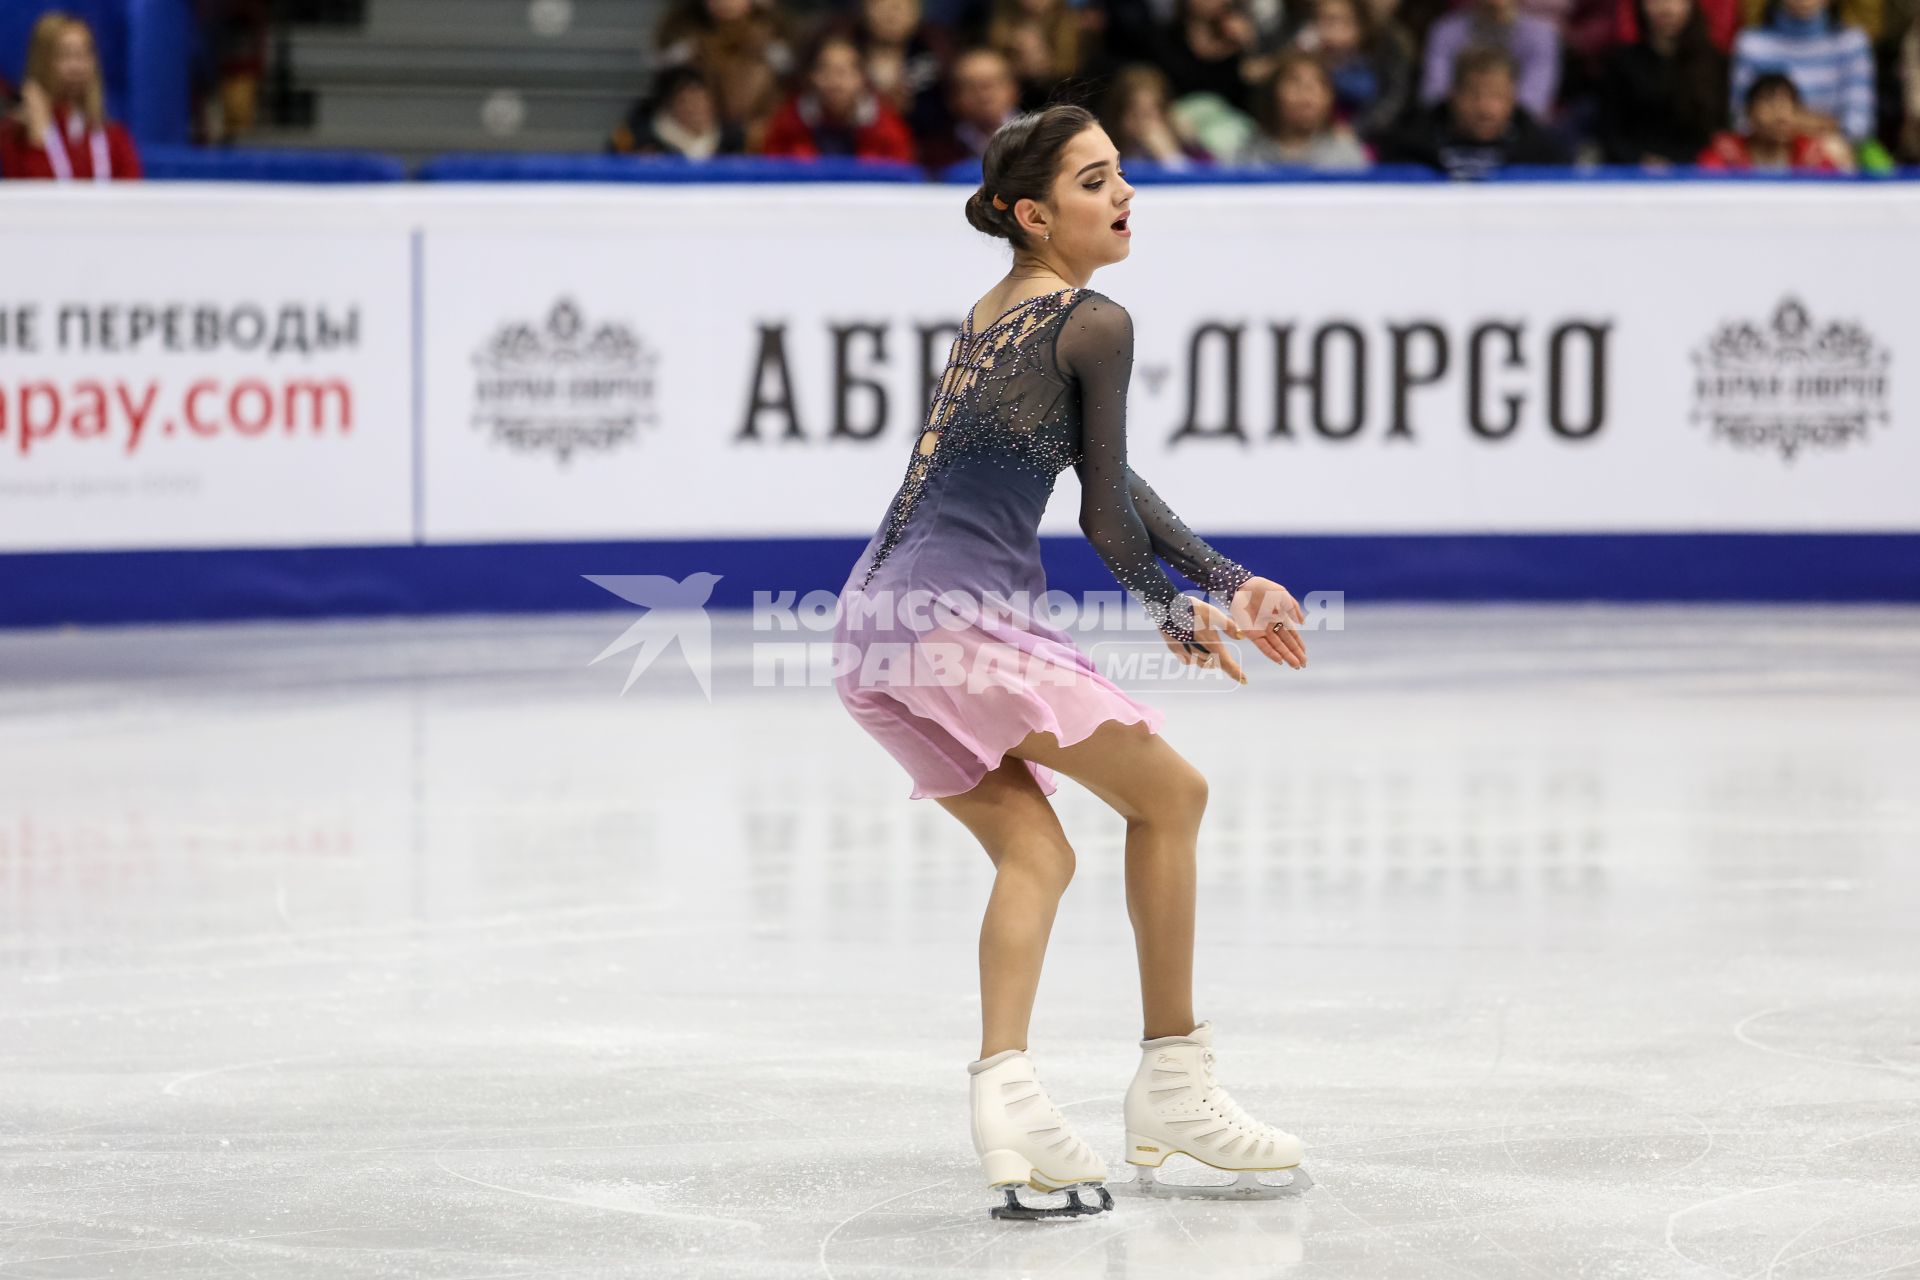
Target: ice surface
(1572,941)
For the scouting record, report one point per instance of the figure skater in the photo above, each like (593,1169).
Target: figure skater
(1036,380)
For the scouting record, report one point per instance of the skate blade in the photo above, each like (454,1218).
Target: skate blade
(1070,1204)
(1245,1184)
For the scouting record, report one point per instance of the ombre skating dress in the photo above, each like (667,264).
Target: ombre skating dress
(1042,388)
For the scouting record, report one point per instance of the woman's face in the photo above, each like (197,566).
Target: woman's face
(1805,8)
(728,10)
(1339,26)
(1089,203)
(1666,17)
(837,79)
(1304,101)
(73,70)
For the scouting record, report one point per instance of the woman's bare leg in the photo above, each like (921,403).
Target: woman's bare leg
(1033,862)
(1162,797)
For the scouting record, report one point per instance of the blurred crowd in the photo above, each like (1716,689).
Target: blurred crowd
(1460,86)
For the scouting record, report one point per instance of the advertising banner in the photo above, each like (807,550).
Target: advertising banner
(169,388)
(441,366)
(1504,359)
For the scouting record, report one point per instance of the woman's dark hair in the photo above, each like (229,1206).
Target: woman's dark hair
(1699,71)
(1021,160)
(1771,82)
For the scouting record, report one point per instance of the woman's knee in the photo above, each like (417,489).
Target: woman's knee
(1048,863)
(1179,798)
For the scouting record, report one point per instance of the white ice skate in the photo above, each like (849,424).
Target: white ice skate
(1174,1106)
(1024,1141)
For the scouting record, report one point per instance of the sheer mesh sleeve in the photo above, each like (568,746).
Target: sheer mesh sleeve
(1220,575)
(1122,517)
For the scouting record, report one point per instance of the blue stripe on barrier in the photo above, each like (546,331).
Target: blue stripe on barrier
(491,167)
(259,164)
(96,587)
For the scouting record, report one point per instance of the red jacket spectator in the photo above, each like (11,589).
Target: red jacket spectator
(61,129)
(1731,151)
(873,132)
(837,113)
(1774,140)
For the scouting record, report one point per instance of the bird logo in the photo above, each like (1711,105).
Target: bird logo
(675,610)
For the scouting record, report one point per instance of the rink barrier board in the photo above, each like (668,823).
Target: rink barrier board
(1623,468)
(43,589)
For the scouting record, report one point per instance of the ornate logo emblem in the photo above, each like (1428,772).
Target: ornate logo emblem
(1791,384)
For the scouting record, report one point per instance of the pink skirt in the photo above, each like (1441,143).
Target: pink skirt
(948,702)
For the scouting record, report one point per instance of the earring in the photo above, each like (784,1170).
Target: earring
(1047,236)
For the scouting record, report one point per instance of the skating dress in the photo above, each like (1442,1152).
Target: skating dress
(1042,388)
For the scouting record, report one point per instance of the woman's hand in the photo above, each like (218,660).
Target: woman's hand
(1211,628)
(37,107)
(1266,613)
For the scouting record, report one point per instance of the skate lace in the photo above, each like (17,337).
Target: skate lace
(1231,1111)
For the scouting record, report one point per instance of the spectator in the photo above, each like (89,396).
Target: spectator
(904,58)
(1665,94)
(1372,66)
(1531,42)
(1044,41)
(1135,116)
(1776,139)
(1480,127)
(1830,64)
(679,118)
(981,96)
(1140,30)
(1213,46)
(1297,122)
(61,130)
(740,47)
(230,64)
(838,113)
